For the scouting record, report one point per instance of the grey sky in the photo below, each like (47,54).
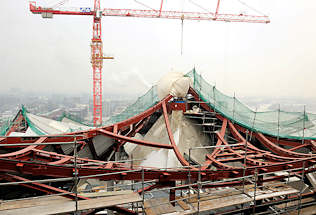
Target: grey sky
(249,59)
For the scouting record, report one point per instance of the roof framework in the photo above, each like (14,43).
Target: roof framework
(256,152)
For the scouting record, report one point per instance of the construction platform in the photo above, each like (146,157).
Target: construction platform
(61,205)
(210,200)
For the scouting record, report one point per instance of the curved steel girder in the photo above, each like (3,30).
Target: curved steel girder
(278,150)
(174,145)
(284,152)
(236,134)
(249,160)
(216,150)
(269,155)
(133,131)
(223,159)
(60,161)
(220,141)
(25,151)
(240,138)
(220,164)
(86,134)
(26,167)
(132,140)
(31,139)
(275,148)
(42,187)
(292,143)
(144,114)
(150,187)
(82,135)
(66,158)
(18,119)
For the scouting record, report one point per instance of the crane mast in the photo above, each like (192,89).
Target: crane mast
(96,42)
(97,63)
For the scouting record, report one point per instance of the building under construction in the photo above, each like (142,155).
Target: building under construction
(182,148)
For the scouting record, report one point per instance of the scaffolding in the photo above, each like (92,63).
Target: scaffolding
(195,196)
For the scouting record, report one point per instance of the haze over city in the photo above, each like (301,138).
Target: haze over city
(264,60)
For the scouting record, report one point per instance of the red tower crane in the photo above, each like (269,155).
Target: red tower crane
(96,42)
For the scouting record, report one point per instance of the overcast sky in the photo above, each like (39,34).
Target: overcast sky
(53,55)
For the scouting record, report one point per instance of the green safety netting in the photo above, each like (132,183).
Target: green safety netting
(38,131)
(73,118)
(5,127)
(142,103)
(294,125)
(30,123)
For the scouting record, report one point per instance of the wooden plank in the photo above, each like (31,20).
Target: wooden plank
(304,211)
(214,194)
(69,206)
(159,206)
(148,209)
(102,194)
(182,204)
(295,203)
(228,197)
(24,203)
(223,202)
(275,194)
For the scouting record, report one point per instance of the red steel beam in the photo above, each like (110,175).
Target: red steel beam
(144,114)
(216,150)
(278,150)
(26,167)
(132,140)
(174,145)
(41,187)
(24,151)
(15,124)
(268,154)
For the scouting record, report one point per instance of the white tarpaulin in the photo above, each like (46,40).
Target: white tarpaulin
(174,83)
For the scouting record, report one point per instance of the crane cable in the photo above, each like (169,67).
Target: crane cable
(199,6)
(141,3)
(59,4)
(182,18)
(251,8)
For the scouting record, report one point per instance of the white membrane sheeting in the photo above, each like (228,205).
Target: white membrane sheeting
(29,132)
(49,126)
(186,135)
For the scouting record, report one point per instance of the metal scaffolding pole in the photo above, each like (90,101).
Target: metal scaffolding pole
(278,137)
(245,162)
(199,189)
(143,192)
(255,191)
(76,175)
(189,174)
(301,191)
